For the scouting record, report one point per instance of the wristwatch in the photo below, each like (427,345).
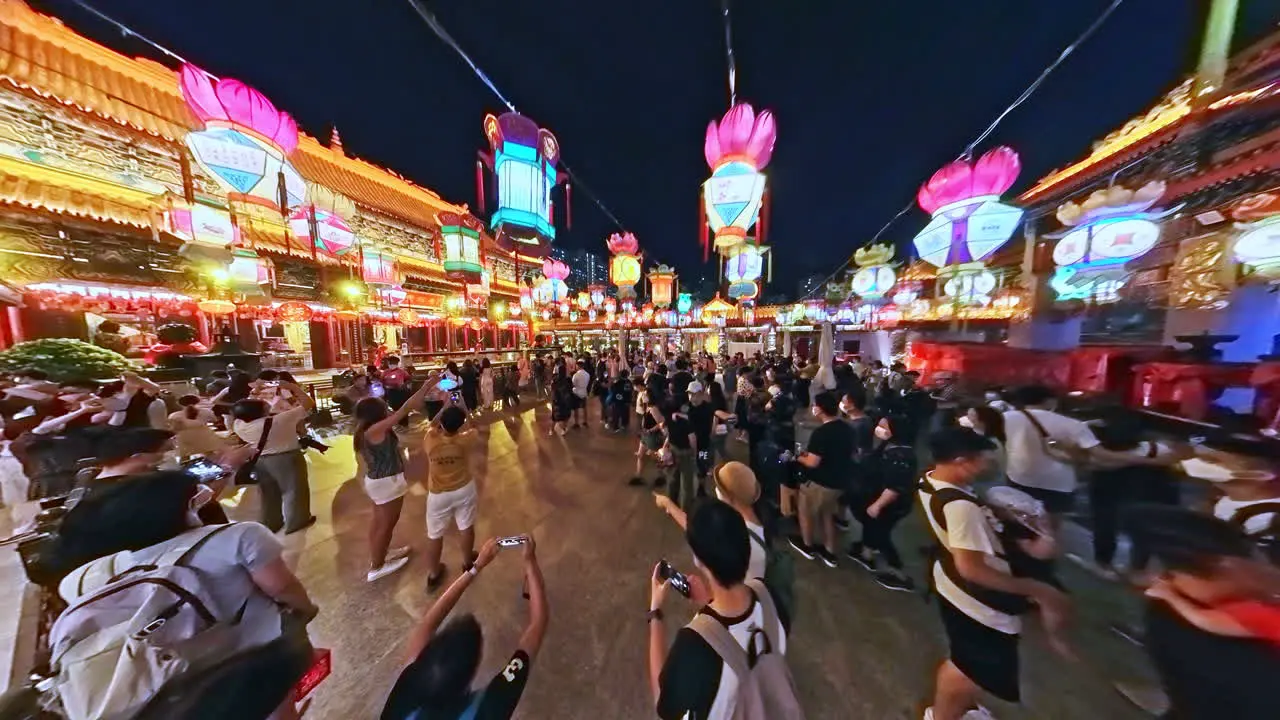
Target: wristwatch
(654,614)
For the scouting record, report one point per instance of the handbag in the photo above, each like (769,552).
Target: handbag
(1063,452)
(245,475)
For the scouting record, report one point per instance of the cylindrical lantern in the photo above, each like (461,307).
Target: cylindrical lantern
(662,280)
(743,266)
(378,267)
(460,240)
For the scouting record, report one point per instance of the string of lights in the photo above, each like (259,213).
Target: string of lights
(968,150)
(436,27)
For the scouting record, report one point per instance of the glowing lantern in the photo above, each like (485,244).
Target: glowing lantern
(460,236)
(736,151)
(967,284)
(1259,244)
(320,221)
(407,316)
(717,311)
(245,139)
(597,293)
(379,267)
(294,311)
(390,294)
(217,307)
(647,312)
(552,289)
(968,221)
(248,272)
(610,305)
(624,267)
(563,307)
(662,280)
(584,301)
(478,293)
(526,297)
(874,278)
(546,314)
(743,266)
(523,158)
(207,232)
(1111,227)
(684,303)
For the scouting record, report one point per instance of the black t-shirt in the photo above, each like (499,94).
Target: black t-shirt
(657,387)
(693,675)
(834,443)
(889,467)
(680,382)
(678,430)
(498,702)
(864,433)
(701,416)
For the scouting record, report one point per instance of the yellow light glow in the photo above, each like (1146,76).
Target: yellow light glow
(351,289)
(220,275)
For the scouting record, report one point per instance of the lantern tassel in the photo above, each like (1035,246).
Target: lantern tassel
(703,233)
(480,186)
(283,192)
(763,230)
(568,206)
(769,267)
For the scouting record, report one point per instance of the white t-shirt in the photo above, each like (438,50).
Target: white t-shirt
(581,379)
(1028,463)
(284,431)
(969,527)
(756,565)
(1226,508)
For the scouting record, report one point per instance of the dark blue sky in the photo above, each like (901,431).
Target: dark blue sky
(871,97)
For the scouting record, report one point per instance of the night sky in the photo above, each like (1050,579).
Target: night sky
(870,97)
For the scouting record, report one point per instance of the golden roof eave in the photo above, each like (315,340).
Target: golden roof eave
(39,187)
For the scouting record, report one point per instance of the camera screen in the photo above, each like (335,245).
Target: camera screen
(204,469)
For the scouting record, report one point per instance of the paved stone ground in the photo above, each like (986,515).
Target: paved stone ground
(858,651)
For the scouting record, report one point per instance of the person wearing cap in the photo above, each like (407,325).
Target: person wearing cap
(736,486)
(702,417)
(979,598)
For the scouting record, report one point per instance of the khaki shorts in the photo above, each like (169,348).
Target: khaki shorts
(818,500)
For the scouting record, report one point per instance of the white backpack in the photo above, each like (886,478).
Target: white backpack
(117,644)
(766,690)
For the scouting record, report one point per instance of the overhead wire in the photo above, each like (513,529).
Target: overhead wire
(438,28)
(728,48)
(969,149)
(130,32)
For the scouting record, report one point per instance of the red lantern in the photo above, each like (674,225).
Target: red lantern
(294,311)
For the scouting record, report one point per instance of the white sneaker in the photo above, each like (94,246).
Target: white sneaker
(396,553)
(386,569)
(928,713)
(979,713)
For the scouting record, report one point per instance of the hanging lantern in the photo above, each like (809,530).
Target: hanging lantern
(684,303)
(1111,227)
(248,272)
(591,315)
(390,294)
(583,301)
(597,292)
(217,307)
(875,277)
(523,159)
(736,151)
(563,307)
(968,221)
(379,268)
(460,237)
(477,293)
(647,312)
(573,316)
(1258,246)
(744,263)
(526,297)
(320,221)
(662,280)
(624,266)
(967,284)
(294,311)
(552,289)
(546,314)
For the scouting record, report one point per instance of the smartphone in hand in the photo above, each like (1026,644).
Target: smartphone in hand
(675,578)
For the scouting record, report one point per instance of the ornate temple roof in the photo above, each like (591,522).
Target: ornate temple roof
(41,55)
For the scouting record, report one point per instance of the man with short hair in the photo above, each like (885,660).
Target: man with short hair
(452,494)
(692,679)
(979,597)
(828,462)
(581,379)
(680,381)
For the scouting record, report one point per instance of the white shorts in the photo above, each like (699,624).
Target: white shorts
(443,509)
(385,489)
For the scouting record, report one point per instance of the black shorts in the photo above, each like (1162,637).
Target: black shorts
(1056,502)
(987,657)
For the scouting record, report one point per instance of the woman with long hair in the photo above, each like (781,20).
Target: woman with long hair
(486,385)
(889,473)
(562,400)
(190,426)
(379,447)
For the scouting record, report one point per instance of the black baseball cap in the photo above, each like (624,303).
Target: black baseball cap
(954,443)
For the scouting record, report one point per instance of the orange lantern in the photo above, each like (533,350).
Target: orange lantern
(294,311)
(662,280)
(584,301)
(624,267)
(407,316)
(217,307)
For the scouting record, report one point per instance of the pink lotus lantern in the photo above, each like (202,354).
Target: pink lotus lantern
(733,198)
(968,220)
(245,140)
(624,267)
(553,290)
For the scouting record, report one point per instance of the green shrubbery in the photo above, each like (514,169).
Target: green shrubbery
(64,359)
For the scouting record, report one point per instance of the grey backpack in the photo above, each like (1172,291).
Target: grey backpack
(766,690)
(116,645)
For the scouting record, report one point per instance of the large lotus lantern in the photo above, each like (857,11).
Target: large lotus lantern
(245,139)
(1258,246)
(875,277)
(460,238)
(553,290)
(662,280)
(377,267)
(1111,227)
(736,150)
(624,266)
(968,222)
(523,159)
(743,266)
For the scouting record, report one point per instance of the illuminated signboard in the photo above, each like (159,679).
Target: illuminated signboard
(1111,227)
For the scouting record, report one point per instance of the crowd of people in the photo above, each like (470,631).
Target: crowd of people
(128,479)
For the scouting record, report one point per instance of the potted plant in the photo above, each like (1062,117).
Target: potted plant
(65,359)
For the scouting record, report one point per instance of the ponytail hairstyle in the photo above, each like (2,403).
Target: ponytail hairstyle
(189,402)
(367,412)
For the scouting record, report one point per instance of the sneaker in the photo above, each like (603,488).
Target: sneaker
(892,581)
(842,523)
(827,557)
(928,713)
(854,553)
(387,568)
(978,713)
(436,579)
(397,553)
(801,548)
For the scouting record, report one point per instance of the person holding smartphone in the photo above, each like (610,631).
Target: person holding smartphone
(436,684)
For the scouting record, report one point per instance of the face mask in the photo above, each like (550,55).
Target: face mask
(814,411)
(845,408)
(883,433)
(965,422)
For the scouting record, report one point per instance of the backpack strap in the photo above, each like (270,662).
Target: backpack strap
(768,609)
(758,540)
(720,640)
(1242,516)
